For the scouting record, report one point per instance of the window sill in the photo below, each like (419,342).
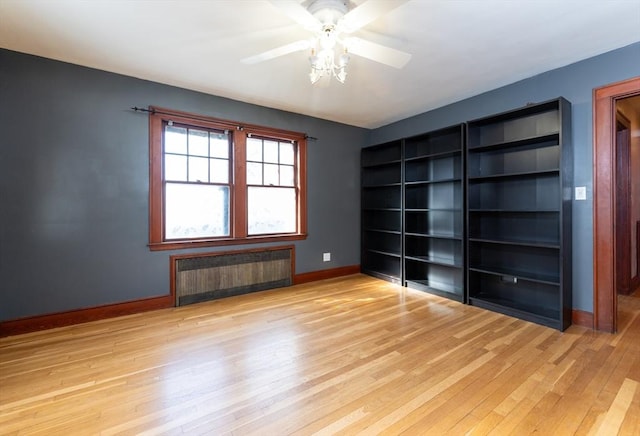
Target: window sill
(196,243)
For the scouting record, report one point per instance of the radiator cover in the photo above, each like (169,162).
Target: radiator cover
(208,276)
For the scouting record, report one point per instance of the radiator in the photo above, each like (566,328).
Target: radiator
(208,276)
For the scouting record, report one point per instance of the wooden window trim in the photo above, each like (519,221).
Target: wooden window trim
(238,225)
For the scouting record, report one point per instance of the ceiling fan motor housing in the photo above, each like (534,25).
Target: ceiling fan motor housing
(328,11)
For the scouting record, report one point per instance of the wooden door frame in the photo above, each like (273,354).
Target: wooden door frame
(623,206)
(604,200)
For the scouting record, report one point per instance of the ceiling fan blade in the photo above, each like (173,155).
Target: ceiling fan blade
(366,13)
(278,51)
(294,10)
(377,52)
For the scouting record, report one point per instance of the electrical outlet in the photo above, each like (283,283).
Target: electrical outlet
(581,192)
(326,257)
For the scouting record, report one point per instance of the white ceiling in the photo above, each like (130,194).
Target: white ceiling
(460,48)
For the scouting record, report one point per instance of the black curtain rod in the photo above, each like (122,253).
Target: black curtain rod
(153,111)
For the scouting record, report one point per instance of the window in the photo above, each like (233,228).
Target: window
(271,185)
(214,182)
(196,182)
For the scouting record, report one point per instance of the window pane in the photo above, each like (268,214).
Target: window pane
(196,211)
(271,176)
(286,176)
(286,153)
(175,167)
(175,140)
(219,170)
(198,169)
(219,143)
(198,142)
(254,149)
(271,210)
(271,151)
(254,173)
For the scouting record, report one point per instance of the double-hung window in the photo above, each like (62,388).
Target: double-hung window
(197,183)
(271,186)
(216,182)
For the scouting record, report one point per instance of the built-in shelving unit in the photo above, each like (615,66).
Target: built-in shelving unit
(381,177)
(434,212)
(519,184)
(479,212)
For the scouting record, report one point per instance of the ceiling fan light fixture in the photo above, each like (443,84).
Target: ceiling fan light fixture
(314,59)
(342,75)
(344,60)
(314,76)
(323,64)
(328,38)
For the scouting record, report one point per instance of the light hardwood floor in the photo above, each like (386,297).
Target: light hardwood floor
(342,356)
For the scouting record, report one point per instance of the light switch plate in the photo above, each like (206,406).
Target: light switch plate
(326,257)
(581,192)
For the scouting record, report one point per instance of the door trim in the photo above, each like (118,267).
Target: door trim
(623,206)
(604,196)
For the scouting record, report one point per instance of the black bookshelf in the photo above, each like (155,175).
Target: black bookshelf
(381,219)
(519,185)
(434,212)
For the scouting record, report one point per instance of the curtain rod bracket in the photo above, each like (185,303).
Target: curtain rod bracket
(141,109)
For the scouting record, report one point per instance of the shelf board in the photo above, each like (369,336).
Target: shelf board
(444,261)
(384,253)
(517,175)
(439,288)
(430,182)
(515,143)
(452,236)
(392,232)
(433,155)
(382,185)
(475,210)
(523,275)
(386,209)
(383,164)
(539,314)
(439,209)
(383,276)
(520,243)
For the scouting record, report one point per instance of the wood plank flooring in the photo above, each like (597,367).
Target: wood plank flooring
(352,355)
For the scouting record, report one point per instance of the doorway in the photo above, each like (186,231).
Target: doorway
(606,208)
(628,193)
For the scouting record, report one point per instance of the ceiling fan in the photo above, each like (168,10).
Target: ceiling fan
(332,22)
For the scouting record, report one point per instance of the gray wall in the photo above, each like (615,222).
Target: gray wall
(74,176)
(574,82)
(74,185)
